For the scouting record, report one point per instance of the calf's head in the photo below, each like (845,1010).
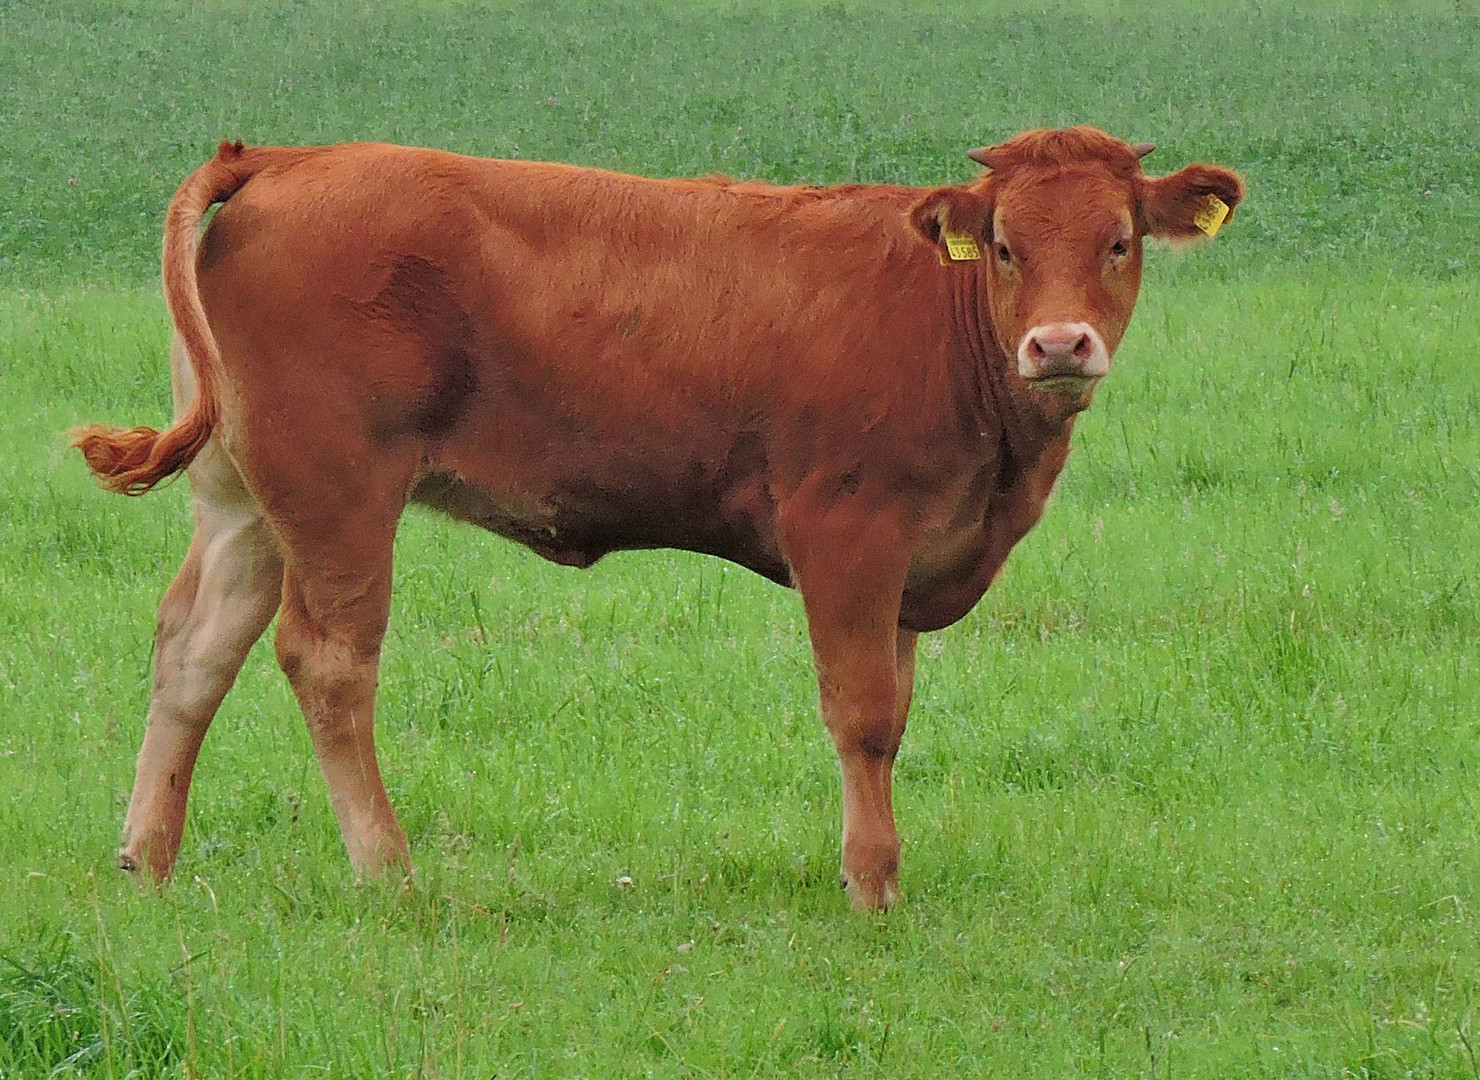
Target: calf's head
(1056,224)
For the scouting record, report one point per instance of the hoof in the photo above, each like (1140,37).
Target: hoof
(385,861)
(137,860)
(872,893)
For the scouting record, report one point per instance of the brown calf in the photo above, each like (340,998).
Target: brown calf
(864,392)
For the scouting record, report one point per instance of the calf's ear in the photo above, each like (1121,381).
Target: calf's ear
(1186,204)
(954,210)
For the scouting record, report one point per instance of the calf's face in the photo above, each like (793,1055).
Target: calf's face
(1059,220)
(1064,265)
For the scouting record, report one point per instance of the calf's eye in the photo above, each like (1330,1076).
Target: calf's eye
(1119,249)
(1003,253)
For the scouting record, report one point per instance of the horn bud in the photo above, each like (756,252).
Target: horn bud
(1141,149)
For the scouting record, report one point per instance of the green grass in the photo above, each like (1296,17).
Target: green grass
(1356,132)
(1193,791)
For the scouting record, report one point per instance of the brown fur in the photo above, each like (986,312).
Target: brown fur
(786,377)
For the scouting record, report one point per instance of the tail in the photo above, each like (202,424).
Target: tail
(133,460)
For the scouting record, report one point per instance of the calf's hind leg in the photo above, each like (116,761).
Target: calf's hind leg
(217,606)
(336,603)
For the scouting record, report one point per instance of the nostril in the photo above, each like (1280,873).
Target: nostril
(1035,349)
(1083,347)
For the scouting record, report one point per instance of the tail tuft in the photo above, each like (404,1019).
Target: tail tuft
(132,461)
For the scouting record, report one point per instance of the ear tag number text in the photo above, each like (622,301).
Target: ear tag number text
(1211,217)
(962,246)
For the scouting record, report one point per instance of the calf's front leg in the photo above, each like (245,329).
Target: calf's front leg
(865,715)
(865,676)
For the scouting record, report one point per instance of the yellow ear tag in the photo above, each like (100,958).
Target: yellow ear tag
(1211,217)
(961,246)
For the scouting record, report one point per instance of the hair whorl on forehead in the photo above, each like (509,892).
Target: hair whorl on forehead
(1056,149)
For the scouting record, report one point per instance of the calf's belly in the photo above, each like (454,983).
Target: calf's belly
(578,524)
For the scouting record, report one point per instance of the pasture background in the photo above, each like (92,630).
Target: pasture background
(1192,793)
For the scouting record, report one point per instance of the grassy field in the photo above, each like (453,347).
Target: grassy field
(1193,792)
